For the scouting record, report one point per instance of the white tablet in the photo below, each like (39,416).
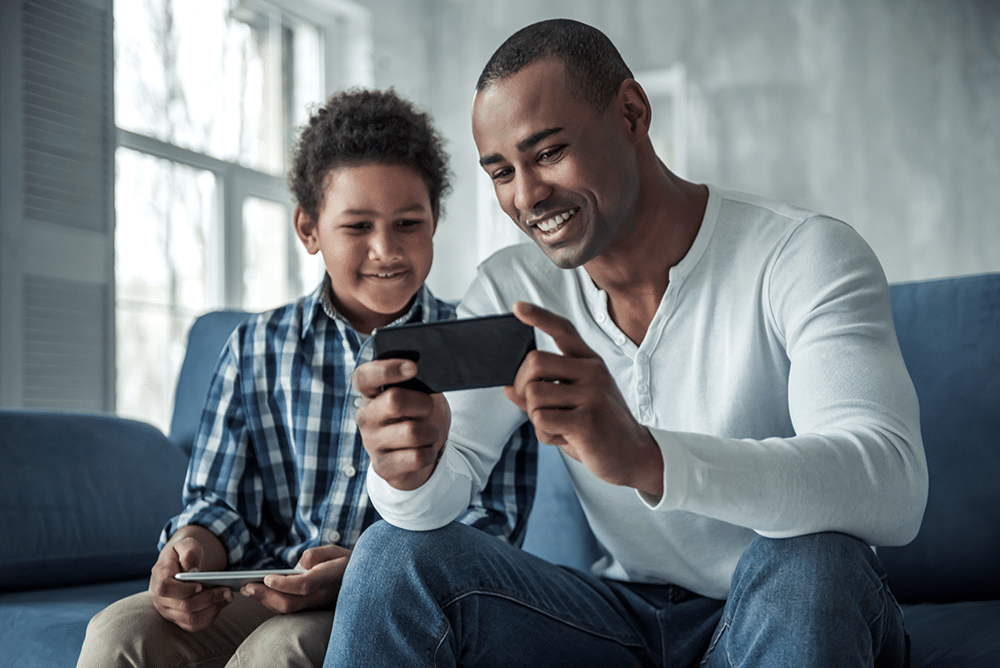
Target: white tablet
(234,579)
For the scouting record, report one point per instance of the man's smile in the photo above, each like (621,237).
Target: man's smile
(553,223)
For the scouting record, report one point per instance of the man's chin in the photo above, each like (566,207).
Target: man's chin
(564,257)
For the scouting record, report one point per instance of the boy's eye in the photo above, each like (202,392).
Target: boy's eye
(410,222)
(360,225)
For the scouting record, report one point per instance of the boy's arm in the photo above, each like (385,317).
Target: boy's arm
(220,470)
(187,604)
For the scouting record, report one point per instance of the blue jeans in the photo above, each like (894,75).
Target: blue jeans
(456,596)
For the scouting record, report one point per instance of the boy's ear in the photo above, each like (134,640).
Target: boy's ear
(305,228)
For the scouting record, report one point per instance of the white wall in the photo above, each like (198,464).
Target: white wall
(883,113)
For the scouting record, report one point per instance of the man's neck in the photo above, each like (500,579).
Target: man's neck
(635,272)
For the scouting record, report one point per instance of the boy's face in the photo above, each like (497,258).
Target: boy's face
(375,232)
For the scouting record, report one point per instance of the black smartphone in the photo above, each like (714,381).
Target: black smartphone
(458,354)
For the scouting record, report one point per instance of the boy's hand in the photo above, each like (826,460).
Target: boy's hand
(402,430)
(573,402)
(187,604)
(319,585)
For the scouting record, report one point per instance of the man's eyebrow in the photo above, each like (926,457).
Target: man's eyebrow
(522,145)
(530,141)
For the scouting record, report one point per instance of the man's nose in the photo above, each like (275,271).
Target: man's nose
(529,191)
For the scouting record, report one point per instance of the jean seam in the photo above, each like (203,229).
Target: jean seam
(724,625)
(594,632)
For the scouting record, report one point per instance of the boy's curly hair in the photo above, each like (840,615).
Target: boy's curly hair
(361,126)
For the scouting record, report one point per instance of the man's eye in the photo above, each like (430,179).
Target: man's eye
(550,153)
(501,173)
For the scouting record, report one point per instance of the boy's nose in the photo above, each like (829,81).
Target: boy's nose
(384,245)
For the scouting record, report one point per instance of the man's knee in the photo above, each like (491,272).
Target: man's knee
(384,545)
(825,566)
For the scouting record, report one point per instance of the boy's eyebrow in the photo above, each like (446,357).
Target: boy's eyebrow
(417,207)
(521,146)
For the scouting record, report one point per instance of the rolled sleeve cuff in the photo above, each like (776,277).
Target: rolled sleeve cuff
(224,522)
(440,500)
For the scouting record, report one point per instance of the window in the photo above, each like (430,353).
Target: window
(208,94)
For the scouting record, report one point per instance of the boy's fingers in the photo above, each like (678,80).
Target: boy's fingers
(560,329)
(372,377)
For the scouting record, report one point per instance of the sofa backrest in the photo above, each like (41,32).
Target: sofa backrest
(206,340)
(949,334)
(83,497)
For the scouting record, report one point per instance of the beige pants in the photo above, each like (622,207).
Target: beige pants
(131,632)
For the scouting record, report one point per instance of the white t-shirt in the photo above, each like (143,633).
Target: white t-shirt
(770,376)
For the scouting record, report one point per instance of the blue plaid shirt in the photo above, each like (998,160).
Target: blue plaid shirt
(278,465)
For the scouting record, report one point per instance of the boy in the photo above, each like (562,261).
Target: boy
(277,474)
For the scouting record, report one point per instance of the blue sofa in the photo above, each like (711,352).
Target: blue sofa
(83,496)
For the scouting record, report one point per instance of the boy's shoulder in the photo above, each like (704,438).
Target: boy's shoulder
(281,322)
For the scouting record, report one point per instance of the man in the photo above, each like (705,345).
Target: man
(721,374)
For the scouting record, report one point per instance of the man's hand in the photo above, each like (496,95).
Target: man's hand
(402,430)
(187,604)
(319,585)
(574,403)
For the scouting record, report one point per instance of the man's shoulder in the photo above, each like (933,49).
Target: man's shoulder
(734,203)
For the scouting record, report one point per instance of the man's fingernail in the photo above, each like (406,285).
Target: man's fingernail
(408,368)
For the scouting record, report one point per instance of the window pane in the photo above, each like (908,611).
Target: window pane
(190,74)
(266,273)
(165,215)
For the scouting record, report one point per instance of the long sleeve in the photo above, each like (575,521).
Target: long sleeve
(855,463)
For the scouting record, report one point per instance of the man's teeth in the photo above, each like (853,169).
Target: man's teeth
(555,221)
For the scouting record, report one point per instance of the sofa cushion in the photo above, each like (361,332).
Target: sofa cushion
(83,497)
(45,628)
(949,333)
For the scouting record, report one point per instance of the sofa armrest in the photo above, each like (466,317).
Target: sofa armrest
(83,497)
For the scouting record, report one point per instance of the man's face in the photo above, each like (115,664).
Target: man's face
(375,232)
(565,174)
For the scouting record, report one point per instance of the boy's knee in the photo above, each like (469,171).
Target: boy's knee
(296,640)
(115,634)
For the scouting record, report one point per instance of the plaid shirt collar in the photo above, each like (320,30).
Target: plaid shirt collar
(319,303)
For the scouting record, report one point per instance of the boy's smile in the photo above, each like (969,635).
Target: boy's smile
(375,232)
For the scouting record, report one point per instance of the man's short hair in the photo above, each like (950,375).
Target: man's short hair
(362,126)
(594,68)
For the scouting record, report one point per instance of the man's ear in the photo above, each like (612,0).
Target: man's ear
(305,228)
(635,109)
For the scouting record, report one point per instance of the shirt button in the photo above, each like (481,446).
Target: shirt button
(357,402)
(350,471)
(620,340)
(601,317)
(332,536)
